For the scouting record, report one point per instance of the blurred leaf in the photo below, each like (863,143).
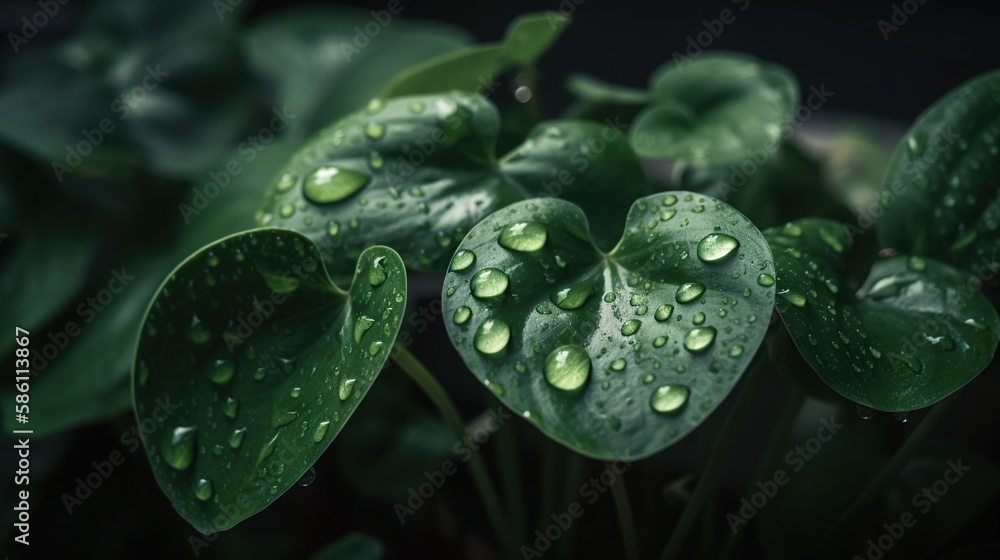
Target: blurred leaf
(325,65)
(354,546)
(472,68)
(941,192)
(248,337)
(908,337)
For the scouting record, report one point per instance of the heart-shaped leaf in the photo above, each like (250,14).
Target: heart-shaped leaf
(624,352)
(913,333)
(722,108)
(249,363)
(475,68)
(940,192)
(417,173)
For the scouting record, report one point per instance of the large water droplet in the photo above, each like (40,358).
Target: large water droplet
(793,297)
(283,418)
(361,326)
(320,432)
(917,264)
(716,247)
(669,399)
(765,280)
(331,184)
(699,340)
(864,412)
(663,312)
(377,274)
(308,478)
(231,407)
(462,260)
(491,336)
(631,327)
(203,489)
(489,282)
(236,438)
(523,236)
(573,297)
(567,368)
(375,130)
(689,292)
(178,449)
(222,370)
(346,386)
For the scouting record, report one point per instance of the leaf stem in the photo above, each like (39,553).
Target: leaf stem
(625,520)
(876,488)
(480,476)
(709,477)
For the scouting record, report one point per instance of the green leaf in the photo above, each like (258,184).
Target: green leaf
(720,108)
(912,334)
(468,69)
(940,191)
(417,173)
(265,360)
(324,68)
(353,546)
(618,353)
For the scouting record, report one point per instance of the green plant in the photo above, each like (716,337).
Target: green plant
(612,315)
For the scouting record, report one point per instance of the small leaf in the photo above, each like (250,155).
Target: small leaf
(910,336)
(260,360)
(527,38)
(721,108)
(624,352)
(416,173)
(940,191)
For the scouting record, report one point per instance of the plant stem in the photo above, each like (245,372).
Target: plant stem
(876,488)
(480,476)
(775,445)
(510,478)
(625,520)
(713,469)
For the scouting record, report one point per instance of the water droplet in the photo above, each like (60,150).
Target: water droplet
(329,184)
(320,432)
(700,339)
(374,130)
(267,449)
(361,326)
(610,297)
(198,332)
(375,347)
(346,386)
(491,336)
(488,283)
(308,477)
(231,407)
(417,107)
(630,327)
(765,280)
(735,350)
(178,449)
(236,438)
(663,312)
(377,273)
(916,263)
(975,324)
(567,368)
(283,418)
(716,247)
(374,106)
(903,416)
(864,412)
(222,370)
(523,236)
(793,297)
(659,341)
(618,364)
(698,318)
(669,399)
(689,292)
(461,315)
(203,489)
(463,259)
(831,240)
(286,182)
(572,297)
(286,211)
(669,200)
